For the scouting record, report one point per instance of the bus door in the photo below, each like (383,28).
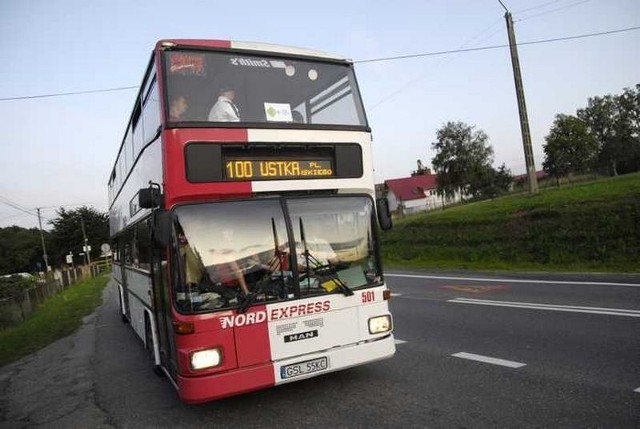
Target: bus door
(162,310)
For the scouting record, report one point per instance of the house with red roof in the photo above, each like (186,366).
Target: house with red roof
(413,194)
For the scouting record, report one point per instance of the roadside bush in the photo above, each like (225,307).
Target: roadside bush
(11,286)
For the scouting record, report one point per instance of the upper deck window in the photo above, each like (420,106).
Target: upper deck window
(217,87)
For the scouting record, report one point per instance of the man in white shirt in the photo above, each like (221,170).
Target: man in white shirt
(224,110)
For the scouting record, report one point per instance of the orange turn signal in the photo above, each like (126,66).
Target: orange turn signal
(386,294)
(183,328)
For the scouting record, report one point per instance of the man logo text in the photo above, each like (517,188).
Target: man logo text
(300,336)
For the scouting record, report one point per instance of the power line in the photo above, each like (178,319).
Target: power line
(62,94)
(12,217)
(16,206)
(538,6)
(484,48)
(26,211)
(371,60)
(472,41)
(552,10)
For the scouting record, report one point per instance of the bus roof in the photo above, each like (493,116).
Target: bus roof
(249,46)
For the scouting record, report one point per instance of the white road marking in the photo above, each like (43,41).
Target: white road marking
(637,390)
(399,341)
(487,359)
(396,294)
(549,307)
(479,279)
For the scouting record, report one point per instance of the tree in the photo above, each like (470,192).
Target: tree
(66,235)
(629,103)
(570,147)
(503,179)
(462,159)
(20,250)
(613,120)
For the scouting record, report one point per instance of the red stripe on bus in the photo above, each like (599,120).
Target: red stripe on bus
(195,390)
(177,188)
(252,340)
(224,341)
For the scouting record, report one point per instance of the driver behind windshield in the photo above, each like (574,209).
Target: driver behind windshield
(212,286)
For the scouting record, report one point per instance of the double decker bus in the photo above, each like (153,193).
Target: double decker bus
(244,221)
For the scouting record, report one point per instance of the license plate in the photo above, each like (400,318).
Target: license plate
(302,368)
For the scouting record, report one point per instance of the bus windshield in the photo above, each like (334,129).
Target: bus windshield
(220,87)
(229,249)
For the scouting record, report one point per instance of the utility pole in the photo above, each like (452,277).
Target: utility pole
(44,249)
(522,107)
(86,242)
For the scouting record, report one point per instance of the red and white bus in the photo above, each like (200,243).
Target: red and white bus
(244,221)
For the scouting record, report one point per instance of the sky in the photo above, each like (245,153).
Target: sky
(58,151)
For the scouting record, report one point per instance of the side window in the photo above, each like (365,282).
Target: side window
(128,248)
(115,253)
(128,144)
(142,246)
(151,113)
(136,124)
(128,258)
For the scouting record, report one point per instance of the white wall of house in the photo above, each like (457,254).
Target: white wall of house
(430,201)
(414,206)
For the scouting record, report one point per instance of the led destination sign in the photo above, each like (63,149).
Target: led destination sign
(273,169)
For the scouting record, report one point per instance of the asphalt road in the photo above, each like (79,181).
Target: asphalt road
(473,351)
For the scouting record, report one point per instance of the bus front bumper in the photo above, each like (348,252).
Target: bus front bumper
(195,390)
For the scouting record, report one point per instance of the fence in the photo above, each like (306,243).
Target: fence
(18,302)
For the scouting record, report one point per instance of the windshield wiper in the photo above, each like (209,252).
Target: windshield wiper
(275,262)
(328,269)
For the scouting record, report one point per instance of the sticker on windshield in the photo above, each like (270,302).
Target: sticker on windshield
(278,112)
(186,64)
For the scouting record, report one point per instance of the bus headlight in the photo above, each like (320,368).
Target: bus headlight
(206,359)
(380,324)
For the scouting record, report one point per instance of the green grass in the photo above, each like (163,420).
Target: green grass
(592,226)
(59,316)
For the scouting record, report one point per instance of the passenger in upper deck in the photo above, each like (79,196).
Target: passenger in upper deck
(225,110)
(178,108)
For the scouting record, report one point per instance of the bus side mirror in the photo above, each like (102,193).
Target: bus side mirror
(149,198)
(384,215)
(162,223)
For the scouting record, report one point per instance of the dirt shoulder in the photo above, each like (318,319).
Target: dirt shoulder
(54,387)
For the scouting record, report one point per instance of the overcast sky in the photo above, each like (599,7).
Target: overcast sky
(59,151)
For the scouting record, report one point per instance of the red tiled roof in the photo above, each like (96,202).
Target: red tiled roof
(411,188)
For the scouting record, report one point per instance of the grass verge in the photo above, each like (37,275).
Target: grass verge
(584,227)
(59,316)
